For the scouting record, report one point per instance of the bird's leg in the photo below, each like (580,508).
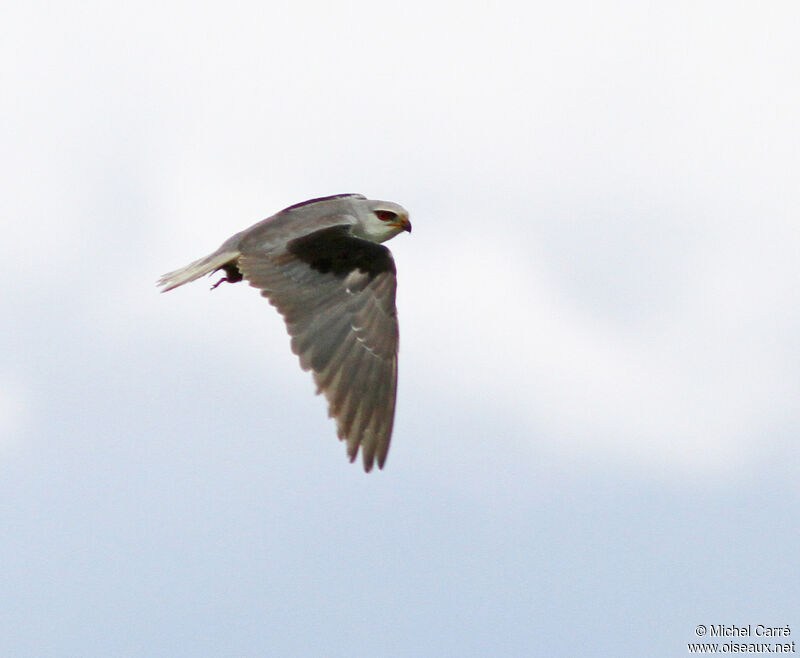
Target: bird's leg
(232,274)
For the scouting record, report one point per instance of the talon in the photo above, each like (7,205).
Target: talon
(232,274)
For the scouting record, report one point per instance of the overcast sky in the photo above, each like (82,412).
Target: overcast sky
(595,448)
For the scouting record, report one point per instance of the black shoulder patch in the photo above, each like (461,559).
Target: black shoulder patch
(324,198)
(334,250)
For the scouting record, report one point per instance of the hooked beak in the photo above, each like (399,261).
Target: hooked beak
(403,224)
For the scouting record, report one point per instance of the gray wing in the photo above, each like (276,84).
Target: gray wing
(336,293)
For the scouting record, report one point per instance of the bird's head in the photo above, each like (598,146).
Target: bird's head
(379,221)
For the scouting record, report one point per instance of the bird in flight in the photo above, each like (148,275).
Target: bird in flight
(322,265)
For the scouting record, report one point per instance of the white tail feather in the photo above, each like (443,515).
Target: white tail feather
(196,269)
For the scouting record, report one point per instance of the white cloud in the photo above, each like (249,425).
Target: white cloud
(695,384)
(625,176)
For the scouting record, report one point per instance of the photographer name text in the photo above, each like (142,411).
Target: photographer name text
(748,630)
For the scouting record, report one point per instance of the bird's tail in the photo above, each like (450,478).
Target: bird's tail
(196,269)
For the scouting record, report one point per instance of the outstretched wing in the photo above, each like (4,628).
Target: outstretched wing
(336,293)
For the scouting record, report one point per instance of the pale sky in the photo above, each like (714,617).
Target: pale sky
(595,448)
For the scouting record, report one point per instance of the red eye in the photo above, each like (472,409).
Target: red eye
(386,215)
